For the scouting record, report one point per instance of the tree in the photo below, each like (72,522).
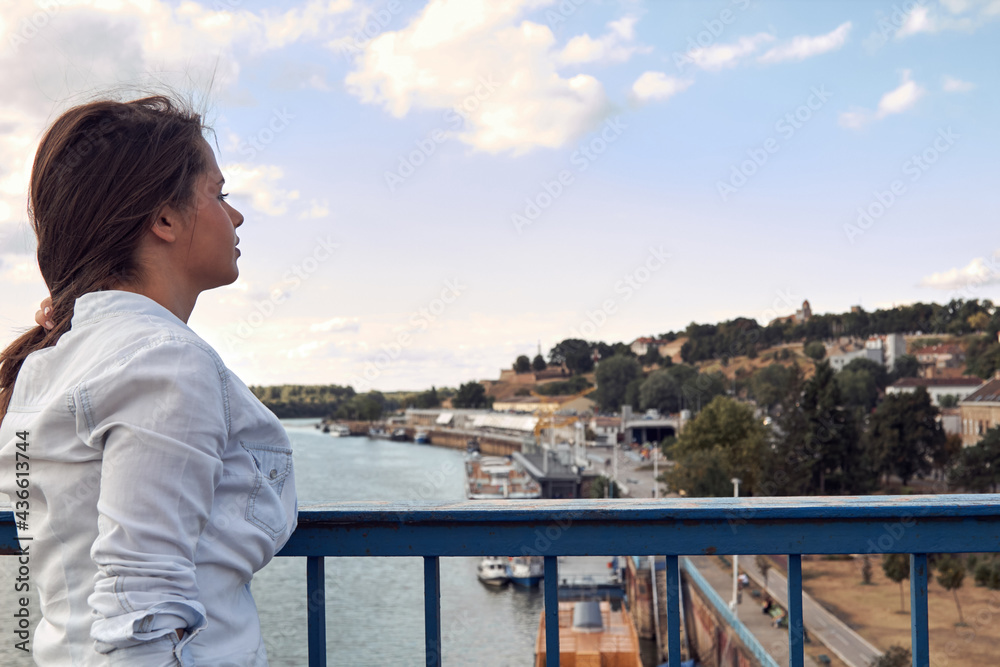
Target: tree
(700,474)
(724,436)
(832,438)
(897,568)
(769,385)
(866,570)
(861,382)
(948,401)
(522,365)
(363,407)
(538,363)
(978,321)
(815,350)
(896,656)
(906,366)
(680,386)
(790,461)
(471,395)
(977,468)
(575,353)
(613,378)
(427,399)
(904,435)
(652,357)
(951,574)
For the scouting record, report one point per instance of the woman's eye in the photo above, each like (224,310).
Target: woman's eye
(223,195)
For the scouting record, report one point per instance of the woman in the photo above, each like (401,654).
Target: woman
(157,484)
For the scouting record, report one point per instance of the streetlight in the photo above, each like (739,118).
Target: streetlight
(736,559)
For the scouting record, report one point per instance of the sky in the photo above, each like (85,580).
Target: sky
(434,188)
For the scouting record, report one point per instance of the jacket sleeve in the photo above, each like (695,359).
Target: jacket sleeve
(162,421)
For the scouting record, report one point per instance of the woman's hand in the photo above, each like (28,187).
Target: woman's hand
(43,313)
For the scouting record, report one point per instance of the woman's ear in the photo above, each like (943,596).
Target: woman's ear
(169,224)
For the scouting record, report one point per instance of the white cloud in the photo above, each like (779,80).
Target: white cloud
(917,21)
(657,86)
(259,183)
(897,100)
(721,56)
(337,324)
(980,271)
(961,15)
(953,85)
(614,46)
(804,46)
(65,51)
(477,56)
(317,209)
(19,269)
(901,98)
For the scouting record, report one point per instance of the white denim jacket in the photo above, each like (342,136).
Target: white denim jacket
(158,484)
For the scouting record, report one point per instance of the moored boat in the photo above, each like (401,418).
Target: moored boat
(337,430)
(498,477)
(492,571)
(527,571)
(421,437)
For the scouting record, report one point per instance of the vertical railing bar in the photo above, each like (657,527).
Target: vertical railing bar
(673,610)
(551,611)
(795,628)
(432,611)
(918,610)
(316,610)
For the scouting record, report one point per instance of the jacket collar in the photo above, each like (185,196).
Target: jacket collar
(111,303)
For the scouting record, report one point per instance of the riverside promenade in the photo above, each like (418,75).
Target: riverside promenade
(774,640)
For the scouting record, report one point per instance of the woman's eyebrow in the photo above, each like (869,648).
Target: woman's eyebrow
(221,181)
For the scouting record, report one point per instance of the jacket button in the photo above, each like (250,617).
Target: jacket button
(273,473)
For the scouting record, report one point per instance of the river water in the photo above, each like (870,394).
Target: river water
(375,605)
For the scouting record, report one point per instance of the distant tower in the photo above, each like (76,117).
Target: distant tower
(539,347)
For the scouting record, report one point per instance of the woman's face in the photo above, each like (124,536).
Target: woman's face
(211,252)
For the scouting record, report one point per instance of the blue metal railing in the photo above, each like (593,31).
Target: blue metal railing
(916,525)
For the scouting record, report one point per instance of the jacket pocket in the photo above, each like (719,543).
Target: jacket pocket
(273,464)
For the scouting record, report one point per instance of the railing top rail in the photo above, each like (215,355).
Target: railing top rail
(669,526)
(766,509)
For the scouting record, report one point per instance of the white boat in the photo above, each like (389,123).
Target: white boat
(421,437)
(339,430)
(492,571)
(526,571)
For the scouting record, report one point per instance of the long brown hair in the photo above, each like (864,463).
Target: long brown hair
(102,173)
